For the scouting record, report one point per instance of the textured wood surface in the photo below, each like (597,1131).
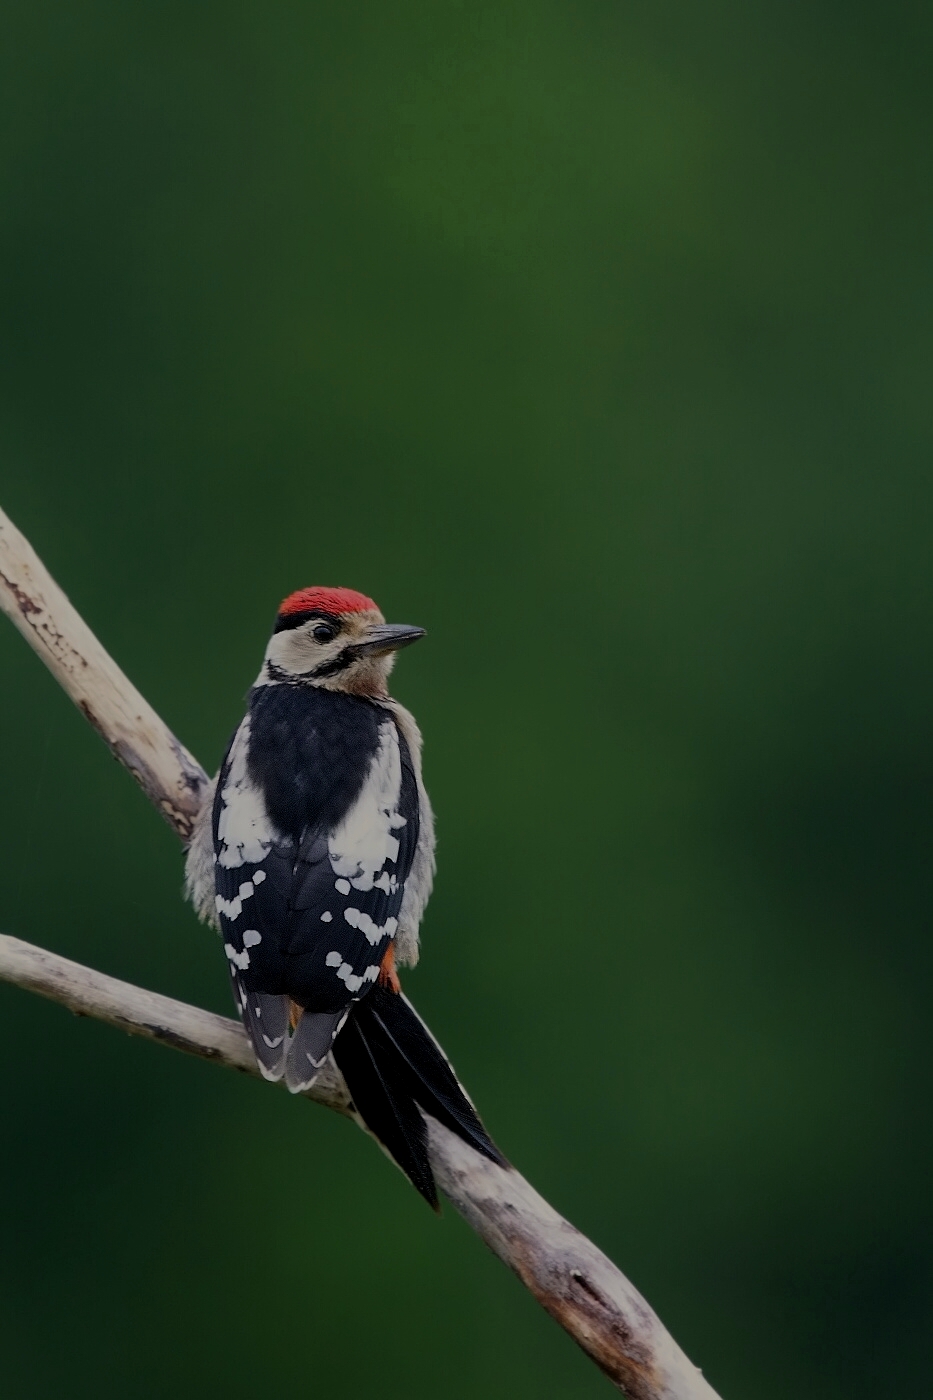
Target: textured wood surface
(172,780)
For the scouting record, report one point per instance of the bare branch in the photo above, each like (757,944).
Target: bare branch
(578,1285)
(173,781)
(568,1275)
(138,1012)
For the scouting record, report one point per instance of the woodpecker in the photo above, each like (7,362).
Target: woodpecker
(314,860)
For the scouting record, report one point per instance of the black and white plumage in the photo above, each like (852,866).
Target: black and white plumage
(315,828)
(315,861)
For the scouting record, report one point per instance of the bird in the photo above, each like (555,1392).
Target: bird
(313,857)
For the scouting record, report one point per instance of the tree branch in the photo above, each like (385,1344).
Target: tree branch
(173,781)
(138,1012)
(578,1285)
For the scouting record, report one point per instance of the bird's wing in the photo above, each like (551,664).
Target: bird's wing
(310,920)
(252,875)
(346,895)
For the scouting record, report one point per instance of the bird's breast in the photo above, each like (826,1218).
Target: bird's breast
(311,754)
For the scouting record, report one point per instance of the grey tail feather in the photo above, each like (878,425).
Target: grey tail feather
(266,1020)
(310,1045)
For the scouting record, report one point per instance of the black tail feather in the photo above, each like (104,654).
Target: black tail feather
(393,1065)
(425,1070)
(392,1118)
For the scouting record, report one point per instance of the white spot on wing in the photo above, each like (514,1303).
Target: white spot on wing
(342,885)
(346,974)
(326,917)
(240,960)
(233,908)
(358,918)
(251,937)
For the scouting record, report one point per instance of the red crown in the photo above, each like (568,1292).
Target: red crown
(332,600)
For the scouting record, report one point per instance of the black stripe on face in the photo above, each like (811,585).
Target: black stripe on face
(330,668)
(284,622)
(341,661)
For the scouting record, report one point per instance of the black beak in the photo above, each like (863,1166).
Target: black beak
(382,639)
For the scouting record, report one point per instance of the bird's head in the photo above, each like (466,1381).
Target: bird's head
(334,638)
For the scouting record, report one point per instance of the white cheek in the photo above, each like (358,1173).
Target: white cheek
(296,651)
(291,650)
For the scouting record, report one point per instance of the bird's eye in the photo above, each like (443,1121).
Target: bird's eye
(323,632)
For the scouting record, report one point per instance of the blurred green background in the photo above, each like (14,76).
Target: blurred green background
(597,338)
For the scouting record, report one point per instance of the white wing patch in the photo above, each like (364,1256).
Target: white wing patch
(362,848)
(244,831)
(363,843)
